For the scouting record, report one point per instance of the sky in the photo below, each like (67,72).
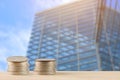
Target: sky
(16,19)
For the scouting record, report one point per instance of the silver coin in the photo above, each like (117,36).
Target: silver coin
(45,66)
(18,69)
(45,60)
(45,63)
(18,64)
(17,59)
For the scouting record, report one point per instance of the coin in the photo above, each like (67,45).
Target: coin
(45,66)
(18,65)
(45,60)
(18,68)
(17,59)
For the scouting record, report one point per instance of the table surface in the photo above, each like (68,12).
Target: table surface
(62,75)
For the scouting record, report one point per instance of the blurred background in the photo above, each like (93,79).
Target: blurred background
(16,19)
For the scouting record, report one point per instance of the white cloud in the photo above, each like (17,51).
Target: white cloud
(14,41)
(41,5)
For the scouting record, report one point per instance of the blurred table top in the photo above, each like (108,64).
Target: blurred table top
(64,75)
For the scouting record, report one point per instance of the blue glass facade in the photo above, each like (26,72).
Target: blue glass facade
(109,41)
(68,34)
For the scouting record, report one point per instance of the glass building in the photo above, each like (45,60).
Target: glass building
(81,36)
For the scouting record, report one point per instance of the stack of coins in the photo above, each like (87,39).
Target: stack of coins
(18,65)
(45,66)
